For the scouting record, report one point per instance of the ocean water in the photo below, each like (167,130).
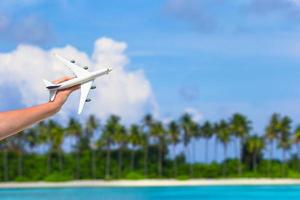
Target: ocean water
(157,193)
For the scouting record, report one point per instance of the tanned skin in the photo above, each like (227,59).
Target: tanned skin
(12,122)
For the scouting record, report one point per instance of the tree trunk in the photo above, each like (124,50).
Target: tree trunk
(206,151)
(107,168)
(93,164)
(237,157)
(75,157)
(270,158)
(254,162)
(186,159)
(236,147)
(190,164)
(174,161)
(193,155)
(240,169)
(60,162)
(283,163)
(49,163)
(160,160)
(120,162)
(5,165)
(78,164)
(216,149)
(192,158)
(298,159)
(132,159)
(146,161)
(224,162)
(20,164)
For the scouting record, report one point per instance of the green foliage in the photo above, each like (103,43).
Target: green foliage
(114,151)
(183,178)
(293,174)
(21,179)
(134,176)
(57,177)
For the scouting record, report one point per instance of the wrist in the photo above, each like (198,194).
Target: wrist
(54,107)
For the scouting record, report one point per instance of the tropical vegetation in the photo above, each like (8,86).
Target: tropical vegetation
(110,149)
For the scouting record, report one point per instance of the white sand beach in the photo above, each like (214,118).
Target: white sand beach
(151,183)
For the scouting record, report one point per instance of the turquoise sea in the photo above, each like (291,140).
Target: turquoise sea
(157,193)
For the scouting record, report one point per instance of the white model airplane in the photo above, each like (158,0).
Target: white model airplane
(83,78)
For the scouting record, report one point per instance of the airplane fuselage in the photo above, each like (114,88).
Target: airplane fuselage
(83,78)
(80,80)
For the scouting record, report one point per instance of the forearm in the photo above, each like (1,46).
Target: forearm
(12,122)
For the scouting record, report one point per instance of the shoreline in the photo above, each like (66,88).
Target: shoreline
(152,183)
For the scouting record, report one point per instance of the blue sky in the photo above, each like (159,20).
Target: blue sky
(215,57)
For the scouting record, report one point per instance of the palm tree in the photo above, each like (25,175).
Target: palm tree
(206,132)
(223,131)
(187,124)
(74,129)
(255,145)
(271,133)
(240,127)
(157,132)
(284,139)
(195,134)
(174,133)
(216,141)
(148,121)
(135,140)
(121,139)
(92,125)
(56,138)
(32,139)
(147,125)
(145,144)
(297,142)
(110,128)
(18,143)
(5,146)
(42,139)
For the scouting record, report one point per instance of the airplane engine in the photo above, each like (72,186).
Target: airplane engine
(88,100)
(93,87)
(72,61)
(85,67)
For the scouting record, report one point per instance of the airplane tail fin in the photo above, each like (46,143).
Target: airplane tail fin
(48,83)
(52,93)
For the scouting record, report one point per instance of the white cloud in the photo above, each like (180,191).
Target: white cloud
(125,93)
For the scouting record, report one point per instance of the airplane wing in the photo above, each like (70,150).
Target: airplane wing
(76,69)
(84,90)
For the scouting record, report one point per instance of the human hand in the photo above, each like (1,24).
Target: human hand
(62,95)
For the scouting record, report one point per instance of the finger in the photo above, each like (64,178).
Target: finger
(76,87)
(71,89)
(63,79)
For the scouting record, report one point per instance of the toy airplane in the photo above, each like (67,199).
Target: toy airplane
(83,78)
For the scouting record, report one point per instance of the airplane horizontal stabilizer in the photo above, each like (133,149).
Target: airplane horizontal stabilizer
(48,83)
(52,95)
